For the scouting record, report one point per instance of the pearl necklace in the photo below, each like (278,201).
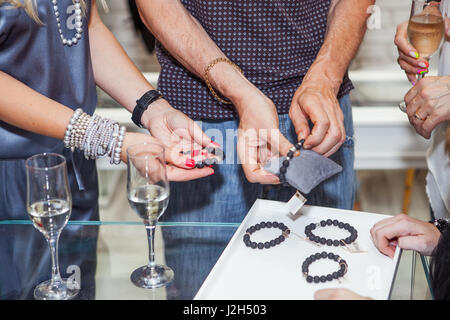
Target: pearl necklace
(78,23)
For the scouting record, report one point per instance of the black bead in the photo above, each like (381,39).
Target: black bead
(341,225)
(329,242)
(286,185)
(304,268)
(277,241)
(316,279)
(252,229)
(312,226)
(260,245)
(290,154)
(286,163)
(281,238)
(329,222)
(309,279)
(348,240)
(301,143)
(323,279)
(208,162)
(263,225)
(246,237)
(248,230)
(336,243)
(335,275)
(308,260)
(317,255)
(253,245)
(269,224)
(283,170)
(200,165)
(282,177)
(346,226)
(275,224)
(247,243)
(280,225)
(335,222)
(257,227)
(329,277)
(267,244)
(272,243)
(323,223)
(323,240)
(330,255)
(324,254)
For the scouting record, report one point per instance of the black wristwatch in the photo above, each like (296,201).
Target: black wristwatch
(142,105)
(441,224)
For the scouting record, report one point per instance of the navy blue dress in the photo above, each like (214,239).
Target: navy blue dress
(34,54)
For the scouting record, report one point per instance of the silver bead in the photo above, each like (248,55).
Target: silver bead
(79,30)
(64,41)
(78,24)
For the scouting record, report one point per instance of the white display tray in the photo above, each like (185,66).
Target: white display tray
(275,273)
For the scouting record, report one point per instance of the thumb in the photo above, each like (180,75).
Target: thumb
(415,243)
(300,122)
(279,143)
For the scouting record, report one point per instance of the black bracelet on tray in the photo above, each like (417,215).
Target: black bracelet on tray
(329,242)
(285,164)
(324,278)
(268,244)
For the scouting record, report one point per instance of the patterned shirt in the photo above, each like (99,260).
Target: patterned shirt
(274,42)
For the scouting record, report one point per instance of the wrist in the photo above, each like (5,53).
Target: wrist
(321,73)
(154,110)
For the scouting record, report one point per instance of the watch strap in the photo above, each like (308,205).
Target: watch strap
(142,104)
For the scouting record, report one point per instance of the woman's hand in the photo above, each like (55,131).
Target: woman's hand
(405,232)
(172,127)
(178,168)
(409,59)
(428,104)
(337,294)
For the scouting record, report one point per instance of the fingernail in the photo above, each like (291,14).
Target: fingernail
(423,65)
(414,54)
(190,163)
(422,71)
(195,153)
(212,173)
(204,153)
(413,83)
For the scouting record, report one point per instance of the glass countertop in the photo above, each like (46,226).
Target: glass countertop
(103,254)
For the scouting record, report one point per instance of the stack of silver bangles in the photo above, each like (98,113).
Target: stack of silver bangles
(98,137)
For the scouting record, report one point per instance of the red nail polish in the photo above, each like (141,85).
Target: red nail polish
(190,163)
(195,153)
(212,173)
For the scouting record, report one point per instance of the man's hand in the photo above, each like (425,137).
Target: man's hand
(405,232)
(409,59)
(428,104)
(259,137)
(316,100)
(337,294)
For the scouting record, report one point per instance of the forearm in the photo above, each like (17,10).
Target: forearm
(345,31)
(189,44)
(114,71)
(27,109)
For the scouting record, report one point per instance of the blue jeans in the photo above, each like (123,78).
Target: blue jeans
(227,196)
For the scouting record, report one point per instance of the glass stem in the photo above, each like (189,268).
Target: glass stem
(150,226)
(53,244)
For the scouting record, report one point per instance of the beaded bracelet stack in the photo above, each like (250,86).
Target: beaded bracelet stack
(285,164)
(272,243)
(324,278)
(96,136)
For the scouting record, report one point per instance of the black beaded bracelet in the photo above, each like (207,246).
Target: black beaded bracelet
(324,278)
(329,242)
(285,164)
(268,244)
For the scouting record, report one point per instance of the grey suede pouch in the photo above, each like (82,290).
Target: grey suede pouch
(306,171)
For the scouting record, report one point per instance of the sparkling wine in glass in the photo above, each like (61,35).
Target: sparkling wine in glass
(425,30)
(148,195)
(49,205)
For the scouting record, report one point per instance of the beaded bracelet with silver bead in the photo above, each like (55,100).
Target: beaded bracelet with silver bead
(272,243)
(285,164)
(329,242)
(324,278)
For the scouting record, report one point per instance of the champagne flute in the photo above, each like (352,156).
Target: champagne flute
(148,195)
(425,31)
(49,205)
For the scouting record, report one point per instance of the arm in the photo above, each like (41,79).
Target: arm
(316,97)
(187,41)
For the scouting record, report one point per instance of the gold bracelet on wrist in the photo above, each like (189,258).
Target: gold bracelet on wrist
(208,83)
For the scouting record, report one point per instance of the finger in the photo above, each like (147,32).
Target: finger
(198,135)
(279,143)
(419,63)
(402,43)
(321,125)
(412,105)
(179,174)
(335,136)
(380,225)
(300,122)
(247,149)
(383,236)
(408,68)
(412,77)
(415,242)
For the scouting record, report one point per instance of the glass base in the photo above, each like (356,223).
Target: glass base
(145,277)
(45,291)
